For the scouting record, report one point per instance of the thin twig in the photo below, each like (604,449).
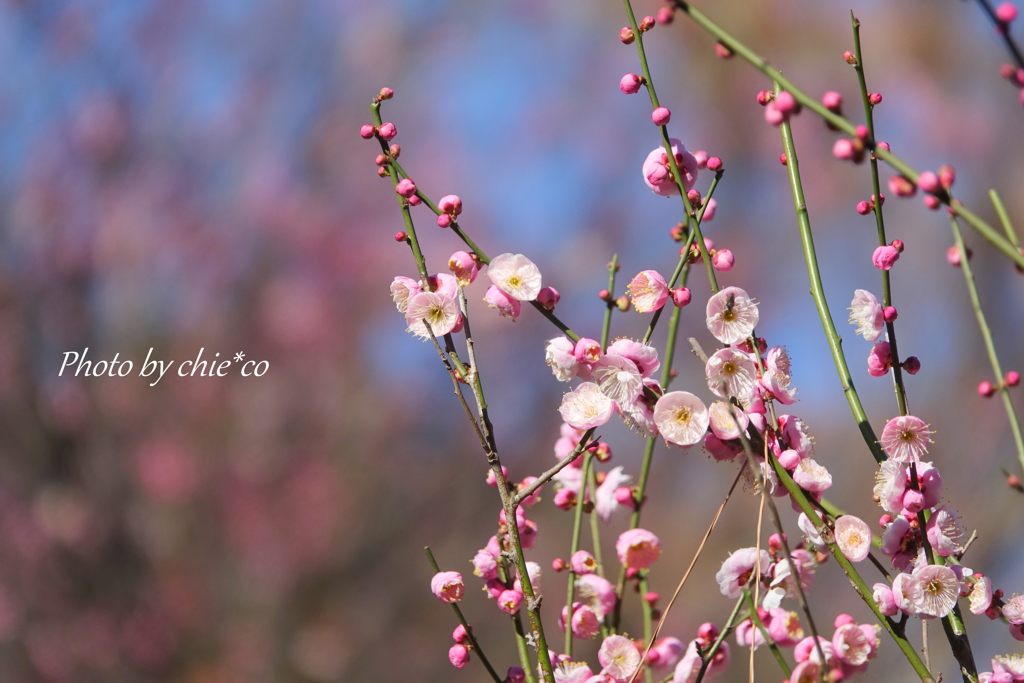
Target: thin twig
(585,443)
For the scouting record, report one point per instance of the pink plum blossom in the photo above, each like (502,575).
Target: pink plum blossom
(658,174)
(777,377)
(605,499)
(681,417)
(748,635)
(905,438)
(463,267)
(560,356)
(669,651)
(731,373)
(731,315)
(885,256)
(403,289)
(618,657)
(866,314)
(618,378)
(1013,610)
(507,306)
(596,592)
(881,593)
(485,565)
(573,672)
(980,596)
(648,290)
(644,355)
(945,534)
(737,569)
(638,548)
(447,586)
(438,311)
(727,421)
(516,276)
(811,476)
(851,645)
(458,655)
(586,407)
(784,627)
(853,536)
(939,590)
(880,359)
(582,562)
(509,601)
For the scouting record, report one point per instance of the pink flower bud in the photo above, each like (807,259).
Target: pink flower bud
(492,481)
(898,245)
(630,84)
(912,365)
(709,211)
(458,655)
(450,204)
(1008,71)
(415,200)
(388,130)
(782,158)
(954,257)
(459,635)
(875,98)
(515,675)
(666,15)
(844,149)
(651,598)
(880,359)
(715,164)
(986,389)
(694,197)
(883,145)
(849,57)
(463,267)
(832,101)
(509,601)
(1012,378)
(559,565)
(386,93)
(947,176)
(701,157)
(764,97)
(647,23)
(661,116)
(775,542)
(862,132)
(444,220)
(885,256)
(913,500)
(366,131)
(565,499)
(626,35)
(863,208)
(1006,12)
(381,160)
(723,260)
(786,103)
(624,496)
(901,187)
(707,632)
(929,182)
(448,586)
(406,187)
(681,296)
(932,202)
(843,620)
(889,314)
(773,116)
(548,297)
(632,573)
(382,172)
(789,459)
(400,236)
(723,52)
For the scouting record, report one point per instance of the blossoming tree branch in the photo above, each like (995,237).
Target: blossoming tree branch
(909,564)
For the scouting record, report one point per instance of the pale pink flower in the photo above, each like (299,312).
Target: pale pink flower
(730,373)
(560,355)
(853,536)
(980,596)
(428,308)
(796,434)
(605,502)
(809,529)
(681,417)
(458,655)
(711,206)
(638,548)
(881,593)
(866,314)
(444,284)
(784,627)
(516,276)
(890,485)
(893,540)
(737,569)
(806,672)
(448,586)
(731,315)
(573,672)
(782,573)
(945,534)
(811,476)
(1008,664)
(905,438)
(485,565)
(618,378)
(748,635)
(718,449)
(619,657)
(586,407)
(689,666)
(584,623)
(403,289)
(597,593)
(644,355)
(939,590)
(724,422)
(670,650)
(658,173)
(582,562)
(885,256)
(880,359)
(649,291)
(588,351)
(463,267)
(1013,610)
(806,651)
(851,645)
(777,377)
(638,414)
(509,601)
(508,307)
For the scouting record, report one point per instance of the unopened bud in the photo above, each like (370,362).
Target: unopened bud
(558,564)
(681,297)
(622,303)
(666,15)
(782,158)
(875,99)
(764,97)
(722,51)
(386,93)
(889,314)
(647,23)
(401,236)
(912,365)
(626,35)
(366,131)
(715,164)
(1012,378)
(678,232)
(898,245)
(864,208)
(604,295)
(850,58)
(986,389)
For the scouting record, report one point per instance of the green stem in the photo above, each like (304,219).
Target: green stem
(756,619)
(613,267)
(835,342)
(1004,218)
(595,529)
(577,525)
(730,624)
(523,648)
(648,618)
(990,346)
(666,141)
(876,187)
(1011,44)
(465,624)
(759,63)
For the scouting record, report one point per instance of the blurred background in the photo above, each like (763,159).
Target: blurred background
(183,175)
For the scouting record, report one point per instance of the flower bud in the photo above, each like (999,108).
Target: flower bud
(388,130)
(650,597)
(723,52)
(1006,12)
(1012,378)
(366,131)
(406,187)
(723,260)
(864,208)
(400,236)
(898,245)
(832,101)
(646,24)
(986,389)
(889,314)
(764,97)
(492,481)
(901,187)
(444,220)
(624,496)
(701,157)
(604,295)
(850,58)
(382,172)
(381,160)
(1008,71)
(912,365)
(415,200)
(694,197)
(929,182)
(885,256)
(947,176)
(782,158)
(630,84)
(875,98)
(773,116)
(844,149)
(932,202)
(622,303)
(463,266)
(862,132)
(678,232)
(786,103)
(715,164)
(681,297)
(626,35)
(565,499)
(386,93)
(458,655)
(460,635)
(559,565)
(661,116)
(548,297)
(666,15)
(450,204)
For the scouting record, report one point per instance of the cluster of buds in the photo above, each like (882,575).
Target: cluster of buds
(988,389)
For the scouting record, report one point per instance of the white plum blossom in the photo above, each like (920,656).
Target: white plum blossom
(516,276)
(605,503)
(681,417)
(618,378)
(730,373)
(618,657)
(727,421)
(866,314)
(403,289)
(644,355)
(853,536)
(945,534)
(777,377)
(429,308)
(939,590)
(586,407)
(811,476)
(905,438)
(731,315)
(560,355)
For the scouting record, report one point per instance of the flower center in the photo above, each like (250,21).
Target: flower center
(729,315)
(681,415)
(906,436)
(514,281)
(934,587)
(729,368)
